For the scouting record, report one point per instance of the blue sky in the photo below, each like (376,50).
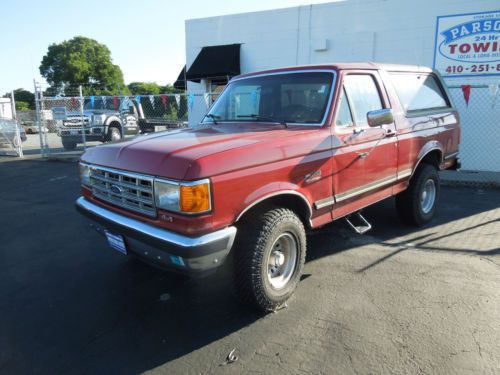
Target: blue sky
(146,37)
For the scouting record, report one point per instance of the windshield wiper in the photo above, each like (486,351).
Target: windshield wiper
(213,117)
(266,118)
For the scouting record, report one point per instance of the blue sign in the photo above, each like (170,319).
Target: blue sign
(468,44)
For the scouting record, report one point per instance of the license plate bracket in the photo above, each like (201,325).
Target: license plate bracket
(116,241)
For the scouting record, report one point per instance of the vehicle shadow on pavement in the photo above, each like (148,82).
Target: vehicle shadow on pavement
(450,224)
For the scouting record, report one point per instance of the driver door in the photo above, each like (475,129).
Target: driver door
(364,157)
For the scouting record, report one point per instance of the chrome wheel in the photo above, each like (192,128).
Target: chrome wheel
(428,196)
(115,134)
(282,260)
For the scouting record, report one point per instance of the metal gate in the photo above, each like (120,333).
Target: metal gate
(11,133)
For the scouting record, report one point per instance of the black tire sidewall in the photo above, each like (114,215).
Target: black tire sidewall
(257,233)
(427,172)
(279,229)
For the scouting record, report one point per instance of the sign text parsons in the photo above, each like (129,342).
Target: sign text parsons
(468,44)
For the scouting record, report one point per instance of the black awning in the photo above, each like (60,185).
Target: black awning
(216,63)
(180,83)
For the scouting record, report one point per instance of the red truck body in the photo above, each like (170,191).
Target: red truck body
(248,162)
(321,172)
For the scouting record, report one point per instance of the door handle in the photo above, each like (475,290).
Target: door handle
(390,133)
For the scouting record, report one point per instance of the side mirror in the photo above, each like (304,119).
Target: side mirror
(380,117)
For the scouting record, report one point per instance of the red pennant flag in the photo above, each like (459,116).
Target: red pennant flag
(164,101)
(466,92)
(115,102)
(73,101)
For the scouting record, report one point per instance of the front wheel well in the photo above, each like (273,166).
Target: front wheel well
(294,202)
(115,124)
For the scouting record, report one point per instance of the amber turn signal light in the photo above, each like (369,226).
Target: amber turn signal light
(195,198)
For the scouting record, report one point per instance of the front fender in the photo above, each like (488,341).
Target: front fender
(272,190)
(111,119)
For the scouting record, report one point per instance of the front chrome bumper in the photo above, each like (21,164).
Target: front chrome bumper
(190,255)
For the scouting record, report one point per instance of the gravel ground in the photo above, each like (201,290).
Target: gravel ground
(396,300)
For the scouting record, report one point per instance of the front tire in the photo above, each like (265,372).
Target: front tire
(114,134)
(417,204)
(269,256)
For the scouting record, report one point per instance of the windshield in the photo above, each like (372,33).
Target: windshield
(300,98)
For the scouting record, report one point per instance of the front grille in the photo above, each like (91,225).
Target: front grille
(127,190)
(75,122)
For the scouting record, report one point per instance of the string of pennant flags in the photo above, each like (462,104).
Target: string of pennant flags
(165,99)
(494,90)
(467,90)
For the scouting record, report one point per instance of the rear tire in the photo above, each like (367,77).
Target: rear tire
(417,204)
(269,255)
(69,146)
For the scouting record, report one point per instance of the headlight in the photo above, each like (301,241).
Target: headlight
(167,195)
(185,197)
(98,119)
(84,174)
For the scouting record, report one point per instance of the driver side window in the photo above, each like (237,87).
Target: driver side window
(363,96)
(344,116)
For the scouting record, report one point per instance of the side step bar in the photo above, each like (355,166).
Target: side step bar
(363,224)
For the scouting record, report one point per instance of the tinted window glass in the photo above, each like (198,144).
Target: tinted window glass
(416,91)
(344,116)
(294,98)
(363,96)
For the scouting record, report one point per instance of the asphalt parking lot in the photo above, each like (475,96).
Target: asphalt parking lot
(397,300)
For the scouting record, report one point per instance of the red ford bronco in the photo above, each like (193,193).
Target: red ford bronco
(279,152)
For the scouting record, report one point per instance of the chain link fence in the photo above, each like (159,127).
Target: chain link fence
(480,140)
(73,122)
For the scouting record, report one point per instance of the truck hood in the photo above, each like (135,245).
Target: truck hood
(171,154)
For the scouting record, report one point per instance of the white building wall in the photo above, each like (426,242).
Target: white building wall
(392,31)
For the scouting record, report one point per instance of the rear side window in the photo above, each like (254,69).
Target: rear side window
(363,96)
(419,91)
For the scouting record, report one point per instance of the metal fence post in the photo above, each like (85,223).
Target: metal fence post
(39,118)
(83,118)
(19,142)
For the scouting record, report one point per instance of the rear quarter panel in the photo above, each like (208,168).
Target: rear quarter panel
(424,131)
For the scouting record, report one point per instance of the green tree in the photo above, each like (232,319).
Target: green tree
(169,89)
(82,61)
(22,106)
(24,99)
(144,88)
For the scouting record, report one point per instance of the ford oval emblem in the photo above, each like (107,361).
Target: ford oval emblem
(116,189)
